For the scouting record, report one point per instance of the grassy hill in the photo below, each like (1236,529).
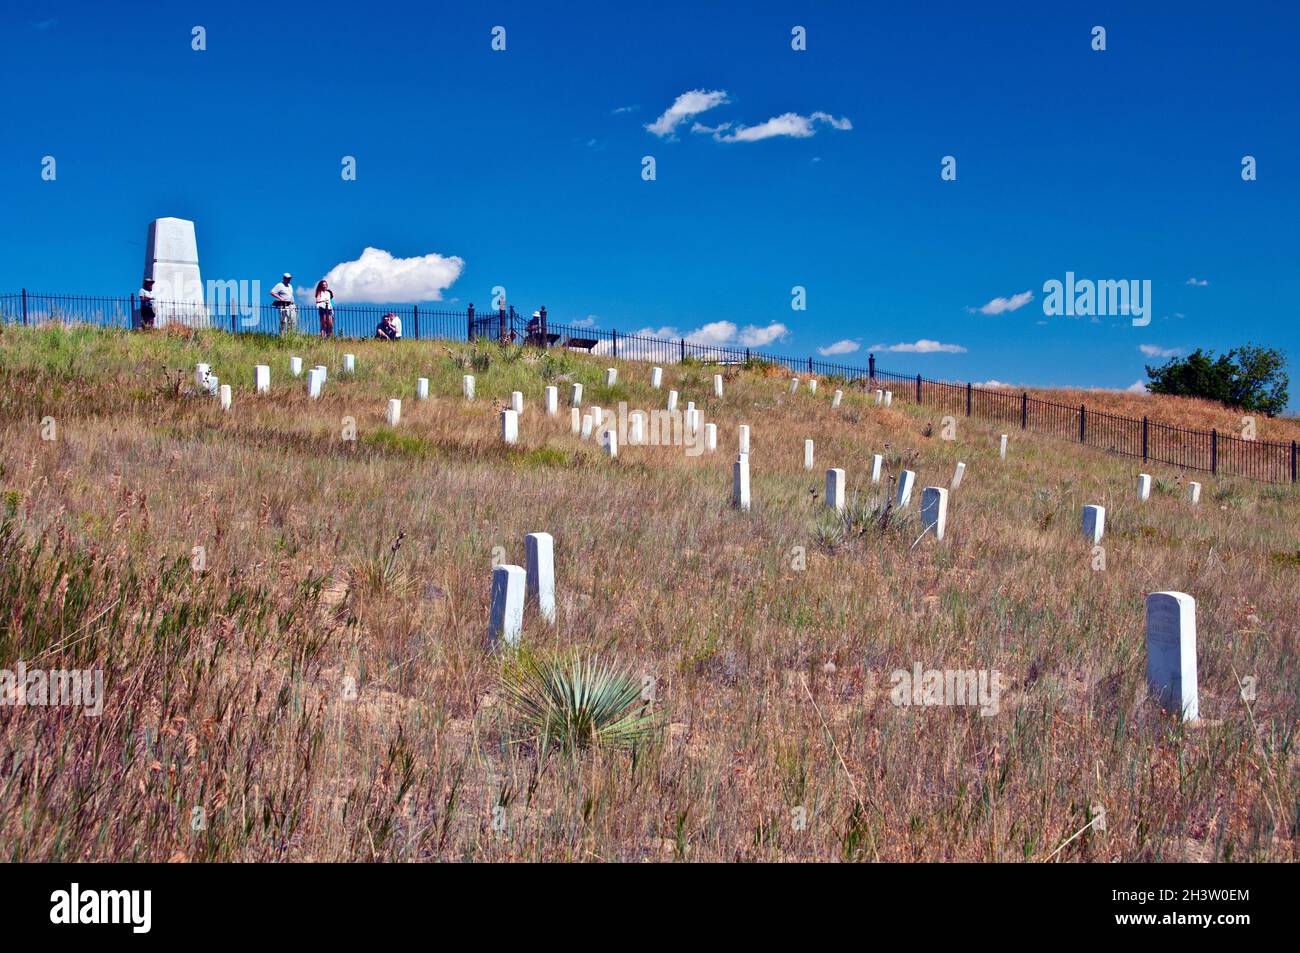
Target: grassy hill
(330,563)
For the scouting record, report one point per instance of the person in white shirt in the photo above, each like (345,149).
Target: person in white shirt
(325,308)
(282,295)
(397,327)
(147,313)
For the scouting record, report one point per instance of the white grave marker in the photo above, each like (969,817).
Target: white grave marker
(903,497)
(710,437)
(839,396)
(262,378)
(295,366)
(552,400)
(834,488)
(610,441)
(349,363)
(201,372)
(1193,492)
(880,397)
(1171,652)
(575,419)
(636,429)
(889,398)
(1002,447)
(672,400)
(394,412)
(744,438)
(517,401)
(587,424)
(1144,486)
(958,474)
(611,376)
(812,386)
(324,375)
(506,618)
(1094,523)
(656,377)
(808,455)
(876,461)
(575,395)
(509,426)
(740,481)
(314,383)
(934,510)
(225,396)
(214,382)
(539,560)
(717,385)
(422,388)
(794,384)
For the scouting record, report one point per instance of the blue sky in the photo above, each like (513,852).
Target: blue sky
(527,165)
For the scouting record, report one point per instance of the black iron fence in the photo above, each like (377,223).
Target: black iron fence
(1210,451)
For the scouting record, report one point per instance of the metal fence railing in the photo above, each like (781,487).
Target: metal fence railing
(1150,440)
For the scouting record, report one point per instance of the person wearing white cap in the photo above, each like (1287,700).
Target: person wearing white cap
(282,295)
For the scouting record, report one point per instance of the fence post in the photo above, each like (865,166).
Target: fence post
(130,316)
(615,340)
(918,388)
(1292,461)
(683,349)
(1214,450)
(501,312)
(24,307)
(871,366)
(233,312)
(546,340)
(1024,410)
(968,398)
(416,322)
(469,322)
(746,355)
(1144,438)
(1083,417)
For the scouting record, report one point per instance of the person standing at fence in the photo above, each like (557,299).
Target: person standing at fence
(282,294)
(534,332)
(147,313)
(325,308)
(397,325)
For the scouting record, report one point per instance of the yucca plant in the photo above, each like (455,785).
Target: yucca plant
(575,702)
(379,575)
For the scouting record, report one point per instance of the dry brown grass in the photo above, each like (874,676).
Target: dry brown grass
(226,688)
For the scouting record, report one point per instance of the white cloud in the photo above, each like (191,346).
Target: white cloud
(624,109)
(839,347)
(1137,387)
(1152,350)
(751,336)
(720,334)
(688,104)
(792,125)
(923,346)
(380,278)
(586,322)
(992,384)
(1002,305)
(1198,282)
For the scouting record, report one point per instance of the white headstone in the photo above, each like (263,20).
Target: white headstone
(575,419)
(656,377)
(1094,523)
(672,400)
(690,405)
(834,488)
(324,374)
(876,461)
(262,378)
(710,437)
(934,510)
(349,363)
(611,376)
(808,455)
(539,561)
(1171,652)
(517,401)
(422,388)
(394,412)
(225,396)
(794,384)
(467,386)
(740,481)
(880,396)
(201,372)
(610,441)
(597,417)
(171,259)
(509,426)
(295,366)
(587,424)
(744,438)
(1002,447)
(214,382)
(903,497)
(506,617)
(1193,492)
(314,383)
(812,386)
(717,385)
(1144,486)
(839,396)
(958,474)
(552,399)
(889,398)
(575,395)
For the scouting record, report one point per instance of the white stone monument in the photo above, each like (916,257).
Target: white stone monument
(394,412)
(877,461)
(295,366)
(808,455)
(656,377)
(509,426)
(1002,447)
(611,376)
(672,400)
(717,385)
(1144,486)
(839,396)
(1193,492)
(262,378)
(794,384)
(743,432)
(610,440)
(740,481)
(1171,652)
(315,382)
(517,402)
(710,437)
(958,474)
(552,399)
(349,363)
(575,419)
(422,388)
(889,398)
(587,424)
(171,259)
(225,396)
(201,372)
(467,386)
(575,395)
